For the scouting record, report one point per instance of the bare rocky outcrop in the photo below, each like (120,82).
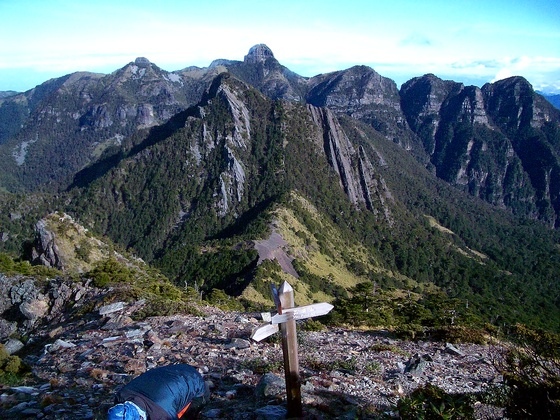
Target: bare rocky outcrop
(513,105)
(258,54)
(64,244)
(484,141)
(46,252)
(358,176)
(361,93)
(26,303)
(235,142)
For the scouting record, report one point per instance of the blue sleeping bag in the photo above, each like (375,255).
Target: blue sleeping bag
(164,392)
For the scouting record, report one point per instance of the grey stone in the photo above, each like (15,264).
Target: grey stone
(116,322)
(13,346)
(142,61)
(451,349)
(238,343)
(271,412)
(34,309)
(214,413)
(113,307)
(29,390)
(416,365)
(7,328)
(59,345)
(258,54)
(45,250)
(270,385)
(241,319)
(23,291)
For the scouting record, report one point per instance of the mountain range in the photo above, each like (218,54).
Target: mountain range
(433,185)
(554,99)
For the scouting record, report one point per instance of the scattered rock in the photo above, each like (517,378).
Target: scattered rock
(416,365)
(7,328)
(34,309)
(77,364)
(59,345)
(271,412)
(270,385)
(450,348)
(113,307)
(238,343)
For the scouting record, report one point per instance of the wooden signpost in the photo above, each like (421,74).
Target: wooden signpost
(286,317)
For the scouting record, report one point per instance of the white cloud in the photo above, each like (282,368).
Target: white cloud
(502,74)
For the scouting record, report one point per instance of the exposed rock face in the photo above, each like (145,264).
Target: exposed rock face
(422,100)
(513,105)
(498,143)
(64,244)
(363,94)
(479,140)
(45,251)
(26,304)
(339,151)
(258,54)
(263,71)
(102,108)
(142,62)
(355,169)
(350,89)
(235,143)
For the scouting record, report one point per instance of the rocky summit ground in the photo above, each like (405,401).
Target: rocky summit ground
(344,373)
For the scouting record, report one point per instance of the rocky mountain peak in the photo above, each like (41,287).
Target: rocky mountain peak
(142,62)
(258,54)
(513,104)
(352,88)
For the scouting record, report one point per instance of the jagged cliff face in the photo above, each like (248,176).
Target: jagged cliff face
(498,142)
(193,191)
(235,150)
(355,169)
(261,70)
(365,95)
(49,133)
(490,142)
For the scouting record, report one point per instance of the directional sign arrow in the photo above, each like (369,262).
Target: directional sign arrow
(262,332)
(302,312)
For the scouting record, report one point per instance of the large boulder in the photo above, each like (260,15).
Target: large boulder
(45,250)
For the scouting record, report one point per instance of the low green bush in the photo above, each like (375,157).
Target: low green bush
(9,266)
(110,271)
(430,402)
(312,325)
(460,334)
(531,371)
(261,366)
(220,299)
(11,367)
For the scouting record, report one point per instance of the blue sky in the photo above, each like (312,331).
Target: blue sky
(470,41)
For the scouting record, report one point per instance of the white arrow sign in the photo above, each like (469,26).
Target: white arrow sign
(302,312)
(262,332)
(299,312)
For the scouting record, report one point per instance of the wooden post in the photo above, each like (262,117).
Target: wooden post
(290,350)
(287,315)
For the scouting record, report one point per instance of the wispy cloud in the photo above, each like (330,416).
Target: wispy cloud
(416,39)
